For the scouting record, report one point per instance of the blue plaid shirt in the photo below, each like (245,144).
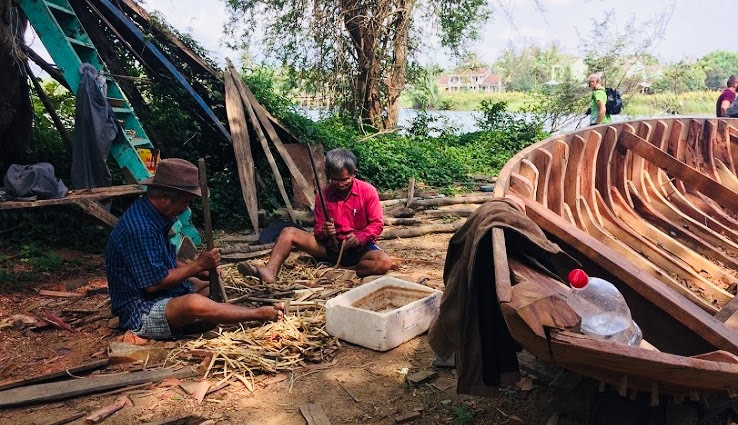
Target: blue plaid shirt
(139,255)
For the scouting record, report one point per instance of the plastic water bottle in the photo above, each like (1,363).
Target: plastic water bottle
(602,308)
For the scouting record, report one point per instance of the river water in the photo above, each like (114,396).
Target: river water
(465,121)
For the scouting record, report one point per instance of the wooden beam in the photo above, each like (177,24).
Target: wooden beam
(262,140)
(93,194)
(267,120)
(96,210)
(55,375)
(63,133)
(241,147)
(728,310)
(143,18)
(66,389)
(690,176)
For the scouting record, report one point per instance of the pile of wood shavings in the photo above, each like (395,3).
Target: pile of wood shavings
(251,349)
(274,347)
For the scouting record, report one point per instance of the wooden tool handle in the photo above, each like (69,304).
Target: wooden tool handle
(217,291)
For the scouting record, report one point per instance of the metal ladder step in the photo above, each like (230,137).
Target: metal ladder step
(57,8)
(140,142)
(80,43)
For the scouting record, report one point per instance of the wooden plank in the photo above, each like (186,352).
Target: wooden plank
(529,172)
(314,414)
(41,393)
(612,166)
(265,146)
(590,161)
(727,177)
(559,160)
(541,158)
(672,265)
(572,350)
(60,294)
(696,243)
(142,16)
(690,176)
(503,285)
(676,249)
(97,193)
(697,208)
(410,192)
(571,184)
(267,120)
(241,147)
(682,221)
(96,210)
(55,375)
(635,258)
(722,145)
(728,310)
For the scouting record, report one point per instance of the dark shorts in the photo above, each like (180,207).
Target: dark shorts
(351,256)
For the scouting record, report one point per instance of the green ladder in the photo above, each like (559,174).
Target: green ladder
(69,46)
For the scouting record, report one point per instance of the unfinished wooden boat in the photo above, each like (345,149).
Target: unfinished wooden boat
(651,206)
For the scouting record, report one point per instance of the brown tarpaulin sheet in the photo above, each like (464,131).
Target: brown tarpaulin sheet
(470,323)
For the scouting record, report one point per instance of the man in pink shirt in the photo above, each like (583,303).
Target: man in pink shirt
(355,219)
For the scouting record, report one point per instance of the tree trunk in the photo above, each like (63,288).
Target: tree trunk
(396,80)
(381,73)
(16,113)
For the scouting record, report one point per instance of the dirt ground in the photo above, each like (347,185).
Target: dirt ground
(358,386)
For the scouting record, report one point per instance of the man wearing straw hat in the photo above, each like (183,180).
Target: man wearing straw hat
(153,294)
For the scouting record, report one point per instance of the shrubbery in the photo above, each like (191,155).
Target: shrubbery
(431,150)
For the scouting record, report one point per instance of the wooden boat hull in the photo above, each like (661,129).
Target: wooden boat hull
(652,206)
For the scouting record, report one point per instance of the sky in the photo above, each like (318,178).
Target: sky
(696,27)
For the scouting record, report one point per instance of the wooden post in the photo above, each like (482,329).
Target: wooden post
(50,109)
(217,291)
(410,191)
(241,146)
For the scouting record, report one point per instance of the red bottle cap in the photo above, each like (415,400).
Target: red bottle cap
(578,278)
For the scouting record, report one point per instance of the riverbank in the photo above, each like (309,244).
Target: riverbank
(690,103)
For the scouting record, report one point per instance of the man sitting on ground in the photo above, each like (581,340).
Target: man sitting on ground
(151,292)
(355,221)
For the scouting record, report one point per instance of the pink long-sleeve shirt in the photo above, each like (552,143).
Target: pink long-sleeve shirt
(360,213)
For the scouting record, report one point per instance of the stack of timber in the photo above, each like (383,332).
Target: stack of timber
(651,206)
(246,119)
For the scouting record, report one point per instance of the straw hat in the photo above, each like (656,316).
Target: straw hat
(177,174)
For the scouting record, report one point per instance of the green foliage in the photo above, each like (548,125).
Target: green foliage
(681,77)
(433,152)
(354,53)
(559,105)
(529,68)
(462,415)
(718,66)
(47,144)
(425,92)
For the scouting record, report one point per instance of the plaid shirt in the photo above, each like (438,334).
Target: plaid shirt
(139,255)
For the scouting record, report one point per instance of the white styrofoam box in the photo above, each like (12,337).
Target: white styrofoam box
(382,314)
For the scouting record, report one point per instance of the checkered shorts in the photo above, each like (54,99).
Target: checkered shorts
(154,324)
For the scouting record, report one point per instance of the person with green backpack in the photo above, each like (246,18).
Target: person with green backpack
(598,110)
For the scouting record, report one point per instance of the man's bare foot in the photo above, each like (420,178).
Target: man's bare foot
(262,273)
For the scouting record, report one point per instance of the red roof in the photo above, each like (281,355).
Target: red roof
(491,80)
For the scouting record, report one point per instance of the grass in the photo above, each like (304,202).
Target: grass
(690,103)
